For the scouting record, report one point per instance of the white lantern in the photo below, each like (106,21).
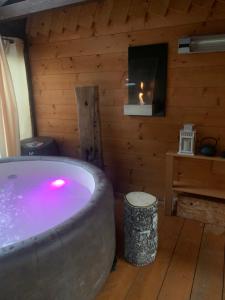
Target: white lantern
(187,140)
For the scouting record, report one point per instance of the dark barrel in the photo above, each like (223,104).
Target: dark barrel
(41,146)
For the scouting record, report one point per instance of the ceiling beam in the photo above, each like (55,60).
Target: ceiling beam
(2,2)
(28,7)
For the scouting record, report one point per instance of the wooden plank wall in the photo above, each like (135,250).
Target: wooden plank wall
(87,45)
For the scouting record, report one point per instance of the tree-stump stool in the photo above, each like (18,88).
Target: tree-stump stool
(140,228)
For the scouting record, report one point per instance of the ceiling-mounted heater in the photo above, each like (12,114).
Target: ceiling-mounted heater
(204,43)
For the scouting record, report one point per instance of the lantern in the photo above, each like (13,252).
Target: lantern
(187,140)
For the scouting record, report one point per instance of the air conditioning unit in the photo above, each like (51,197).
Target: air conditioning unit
(204,43)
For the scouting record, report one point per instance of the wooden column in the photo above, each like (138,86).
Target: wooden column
(89,124)
(169,185)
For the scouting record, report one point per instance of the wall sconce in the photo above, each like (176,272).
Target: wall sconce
(204,43)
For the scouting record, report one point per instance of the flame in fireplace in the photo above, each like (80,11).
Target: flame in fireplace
(141,94)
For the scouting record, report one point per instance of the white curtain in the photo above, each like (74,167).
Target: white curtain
(15,57)
(9,121)
(15,116)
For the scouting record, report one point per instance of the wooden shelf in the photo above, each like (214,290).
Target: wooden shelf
(213,193)
(176,186)
(213,158)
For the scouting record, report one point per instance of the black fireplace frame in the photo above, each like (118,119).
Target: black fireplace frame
(148,64)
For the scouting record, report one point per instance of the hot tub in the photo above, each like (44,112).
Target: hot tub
(57,232)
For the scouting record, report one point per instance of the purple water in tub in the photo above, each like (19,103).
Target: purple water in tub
(36,196)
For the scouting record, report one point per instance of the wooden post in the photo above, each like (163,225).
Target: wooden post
(169,185)
(89,124)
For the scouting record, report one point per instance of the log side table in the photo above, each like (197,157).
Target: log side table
(140,228)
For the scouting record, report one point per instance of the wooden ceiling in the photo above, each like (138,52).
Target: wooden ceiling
(113,16)
(23,8)
(162,7)
(13,9)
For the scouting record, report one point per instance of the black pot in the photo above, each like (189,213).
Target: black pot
(208,146)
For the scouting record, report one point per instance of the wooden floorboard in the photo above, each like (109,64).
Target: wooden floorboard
(189,264)
(150,278)
(120,281)
(208,282)
(180,275)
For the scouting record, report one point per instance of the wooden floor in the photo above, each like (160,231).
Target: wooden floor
(189,264)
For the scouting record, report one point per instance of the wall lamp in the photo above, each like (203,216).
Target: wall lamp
(204,43)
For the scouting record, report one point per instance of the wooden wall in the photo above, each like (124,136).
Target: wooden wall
(87,44)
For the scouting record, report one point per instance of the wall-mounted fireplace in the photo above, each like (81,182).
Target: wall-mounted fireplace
(147,76)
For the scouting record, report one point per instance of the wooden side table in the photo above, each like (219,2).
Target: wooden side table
(212,169)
